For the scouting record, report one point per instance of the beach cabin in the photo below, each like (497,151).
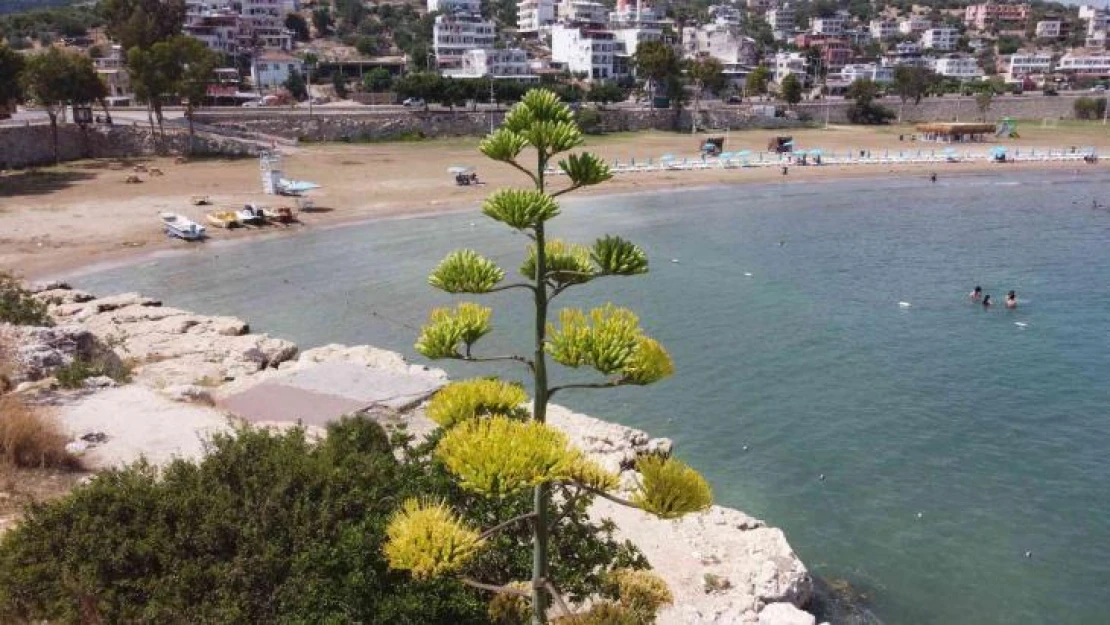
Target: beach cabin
(955,132)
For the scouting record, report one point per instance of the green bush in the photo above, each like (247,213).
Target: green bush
(589,120)
(870,113)
(1090,108)
(74,374)
(270,528)
(17,306)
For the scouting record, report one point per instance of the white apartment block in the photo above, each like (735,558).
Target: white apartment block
(1084,64)
(454,34)
(830,26)
(883,30)
(455,6)
(726,43)
(1087,11)
(229,27)
(958,67)
(871,71)
(858,36)
(761,6)
(726,14)
(582,12)
(1098,39)
(510,63)
(1022,64)
(584,50)
(781,21)
(940,39)
(913,24)
(630,38)
(1048,29)
(533,16)
(263,21)
(218,31)
(787,63)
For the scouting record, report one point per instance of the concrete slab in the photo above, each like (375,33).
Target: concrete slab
(273,402)
(369,386)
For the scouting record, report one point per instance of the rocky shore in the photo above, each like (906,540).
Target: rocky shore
(190,373)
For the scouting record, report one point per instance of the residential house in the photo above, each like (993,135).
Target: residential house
(1048,29)
(585,50)
(508,63)
(581,12)
(1022,64)
(781,20)
(913,25)
(831,26)
(958,67)
(787,63)
(1097,64)
(112,69)
(871,71)
(455,33)
(993,14)
(270,70)
(944,39)
(883,30)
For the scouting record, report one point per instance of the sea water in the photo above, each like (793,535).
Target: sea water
(817,329)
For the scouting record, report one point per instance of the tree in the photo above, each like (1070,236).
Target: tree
(296,86)
(55,78)
(367,45)
(912,83)
(11,68)
(142,23)
(654,61)
(1089,108)
(377,80)
(339,81)
(198,65)
(605,92)
(864,91)
(321,20)
(490,443)
(791,89)
(427,86)
(297,23)
(983,101)
(153,75)
(756,82)
(707,74)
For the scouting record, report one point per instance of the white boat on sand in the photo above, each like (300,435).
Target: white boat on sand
(182,227)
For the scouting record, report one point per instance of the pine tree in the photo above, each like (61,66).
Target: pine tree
(491,442)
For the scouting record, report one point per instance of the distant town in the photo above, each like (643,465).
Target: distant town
(270,52)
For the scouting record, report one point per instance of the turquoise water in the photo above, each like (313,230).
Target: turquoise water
(996,435)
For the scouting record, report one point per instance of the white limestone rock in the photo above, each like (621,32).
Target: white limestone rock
(785,614)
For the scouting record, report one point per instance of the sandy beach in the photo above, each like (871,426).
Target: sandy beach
(62,219)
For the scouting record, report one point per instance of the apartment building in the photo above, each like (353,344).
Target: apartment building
(724,42)
(585,50)
(1022,64)
(532,16)
(983,16)
(455,33)
(454,6)
(781,20)
(787,63)
(913,25)
(871,71)
(270,70)
(883,30)
(509,63)
(832,26)
(958,67)
(940,39)
(1088,64)
(582,12)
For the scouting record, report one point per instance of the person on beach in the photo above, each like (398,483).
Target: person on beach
(1011,300)
(986,301)
(933,176)
(977,294)
(784,170)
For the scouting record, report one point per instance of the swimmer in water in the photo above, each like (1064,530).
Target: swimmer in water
(977,294)
(986,301)
(1011,300)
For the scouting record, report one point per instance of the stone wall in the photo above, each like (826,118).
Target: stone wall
(28,146)
(369,125)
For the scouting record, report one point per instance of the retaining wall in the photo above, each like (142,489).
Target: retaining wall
(28,146)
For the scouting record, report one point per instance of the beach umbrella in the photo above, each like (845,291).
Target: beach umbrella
(459,169)
(667,157)
(724,156)
(997,151)
(297,186)
(816,152)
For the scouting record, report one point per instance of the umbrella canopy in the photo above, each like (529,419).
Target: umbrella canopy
(297,186)
(998,150)
(667,157)
(816,152)
(459,169)
(742,153)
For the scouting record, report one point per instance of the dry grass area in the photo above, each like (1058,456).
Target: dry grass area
(66,217)
(21,487)
(31,438)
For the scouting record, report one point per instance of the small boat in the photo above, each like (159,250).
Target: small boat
(282,214)
(182,227)
(223,219)
(250,214)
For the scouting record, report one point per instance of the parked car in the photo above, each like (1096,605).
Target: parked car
(735,99)
(252,104)
(413,102)
(1098,89)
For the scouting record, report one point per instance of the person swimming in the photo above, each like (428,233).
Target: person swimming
(977,294)
(986,301)
(1011,300)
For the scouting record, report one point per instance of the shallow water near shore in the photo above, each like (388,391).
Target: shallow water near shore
(951,439)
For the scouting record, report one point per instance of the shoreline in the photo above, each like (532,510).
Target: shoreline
(110,256)
(194,375)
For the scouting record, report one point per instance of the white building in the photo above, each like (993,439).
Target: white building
(220,31)
(581,12)
(112,69)
(781,21)
(858,36)
(1048,29)
(905,53)
(1022,64)
(584,50)
(761,6)
(510,63)
(883,30)
(958,67)
(787,63)
(940,38)
(455,6)
(831,26)
(631,37)
(1097,39)
(1085,64)
(454,34)
(726,43)
(726,14)
(913,24)
(270,70)
(871,71)
(263,21)
(1088,12)
(533,16)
